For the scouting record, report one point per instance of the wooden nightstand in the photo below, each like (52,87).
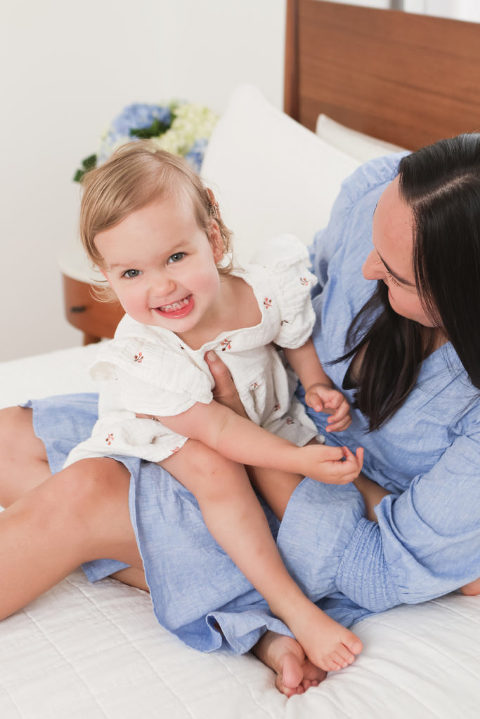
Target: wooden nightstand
(94,318)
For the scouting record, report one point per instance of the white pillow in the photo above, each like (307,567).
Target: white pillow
(357,144)
(270,175)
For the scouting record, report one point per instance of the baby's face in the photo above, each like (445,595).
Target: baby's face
(162,265)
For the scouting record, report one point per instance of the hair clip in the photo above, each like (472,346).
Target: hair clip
(213,207)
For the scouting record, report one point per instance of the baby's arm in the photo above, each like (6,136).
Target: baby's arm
(319,391)
(243,441)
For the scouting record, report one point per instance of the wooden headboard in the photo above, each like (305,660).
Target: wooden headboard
(408,79)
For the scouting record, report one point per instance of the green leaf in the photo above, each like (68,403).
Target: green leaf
(89,162)
(154,130)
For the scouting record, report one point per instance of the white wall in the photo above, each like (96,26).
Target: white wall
(68,67)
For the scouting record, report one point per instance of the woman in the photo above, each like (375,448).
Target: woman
(404,351)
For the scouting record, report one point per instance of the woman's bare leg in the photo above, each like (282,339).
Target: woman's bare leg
(24,466)
(472,589)
(75,516)
(23,460)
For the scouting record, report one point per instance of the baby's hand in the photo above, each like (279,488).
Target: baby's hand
(323,398)
(331,465)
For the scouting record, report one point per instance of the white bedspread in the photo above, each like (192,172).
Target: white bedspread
(91,651)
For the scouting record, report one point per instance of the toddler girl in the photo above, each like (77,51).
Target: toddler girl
(156,233)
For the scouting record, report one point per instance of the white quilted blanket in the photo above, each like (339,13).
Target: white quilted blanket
(91,651)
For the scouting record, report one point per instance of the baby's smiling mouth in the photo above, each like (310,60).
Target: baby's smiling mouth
(176,310)
(174,305)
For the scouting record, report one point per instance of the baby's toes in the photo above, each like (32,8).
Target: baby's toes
(339,657)
(353,643)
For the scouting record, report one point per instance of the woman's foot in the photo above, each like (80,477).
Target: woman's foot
(472,589)
(295,673)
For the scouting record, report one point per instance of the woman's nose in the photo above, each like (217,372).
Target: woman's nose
(372,267)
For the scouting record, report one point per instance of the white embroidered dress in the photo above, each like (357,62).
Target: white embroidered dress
(149,370)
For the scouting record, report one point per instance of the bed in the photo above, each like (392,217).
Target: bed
(380,81)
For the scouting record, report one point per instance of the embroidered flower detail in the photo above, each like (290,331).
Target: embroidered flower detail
(267,302)
(290,420)
(254,386)
(138,358)
(276,406)
(304,281)
(176,449)
(226,344)
(109,438)
(284,322)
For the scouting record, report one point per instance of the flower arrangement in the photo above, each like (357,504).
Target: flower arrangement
(182,128)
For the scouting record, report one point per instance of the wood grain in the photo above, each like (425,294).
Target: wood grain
(95,319)
(405,78)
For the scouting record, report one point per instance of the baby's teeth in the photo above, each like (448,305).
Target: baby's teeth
(175,305)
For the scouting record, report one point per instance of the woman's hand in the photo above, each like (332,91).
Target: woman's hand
(224,391)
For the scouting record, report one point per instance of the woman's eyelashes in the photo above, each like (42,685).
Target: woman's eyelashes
(391,278)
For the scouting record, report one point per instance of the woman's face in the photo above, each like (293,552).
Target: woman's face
(391,260)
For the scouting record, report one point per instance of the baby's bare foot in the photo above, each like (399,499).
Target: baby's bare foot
(326,643)
(295,673)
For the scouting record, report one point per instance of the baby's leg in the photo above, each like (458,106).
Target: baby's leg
(236,520)
(321,637)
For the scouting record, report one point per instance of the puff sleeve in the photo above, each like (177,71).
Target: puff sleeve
(287,261)
(149,378)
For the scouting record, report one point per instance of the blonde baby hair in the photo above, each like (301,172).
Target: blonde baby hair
(135,175)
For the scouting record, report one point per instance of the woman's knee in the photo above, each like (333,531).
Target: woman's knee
(93,484)
(93,494)
(17,438)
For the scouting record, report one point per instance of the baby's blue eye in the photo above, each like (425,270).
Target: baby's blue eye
(130,274)
(176,257)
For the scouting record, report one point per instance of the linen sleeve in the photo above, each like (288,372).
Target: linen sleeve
(151,379)
(427,540)
(286,261)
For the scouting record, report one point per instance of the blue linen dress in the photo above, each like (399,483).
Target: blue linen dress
(427,539)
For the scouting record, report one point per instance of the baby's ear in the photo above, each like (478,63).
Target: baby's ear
(216,241)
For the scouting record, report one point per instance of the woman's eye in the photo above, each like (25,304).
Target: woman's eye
(130,274)
(392,278)
(176,257)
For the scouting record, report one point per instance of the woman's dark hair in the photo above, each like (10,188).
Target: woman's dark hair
(441,185)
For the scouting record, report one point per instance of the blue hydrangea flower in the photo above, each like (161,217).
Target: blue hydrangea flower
(195,156)
(133,117)
(183,128)
(139,115)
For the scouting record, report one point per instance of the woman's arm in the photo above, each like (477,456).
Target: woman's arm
(426,542)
